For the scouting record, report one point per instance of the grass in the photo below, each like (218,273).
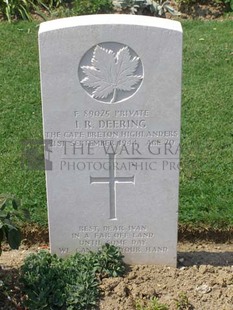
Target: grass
(206,180)
(20,110)
(207,133)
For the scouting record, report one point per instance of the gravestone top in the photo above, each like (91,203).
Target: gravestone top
(111,93)
(109,19)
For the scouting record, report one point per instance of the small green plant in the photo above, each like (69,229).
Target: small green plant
(156,8)
(153,304)
(50,282)
(108,261)
(182,303)
(44,281)
(9,214)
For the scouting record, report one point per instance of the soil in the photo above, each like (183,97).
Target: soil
(203,280)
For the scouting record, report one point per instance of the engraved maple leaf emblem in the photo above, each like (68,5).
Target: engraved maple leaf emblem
(111,72)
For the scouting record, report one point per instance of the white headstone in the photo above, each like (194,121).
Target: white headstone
(111,92)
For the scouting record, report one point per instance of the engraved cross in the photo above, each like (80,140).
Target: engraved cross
(112,179)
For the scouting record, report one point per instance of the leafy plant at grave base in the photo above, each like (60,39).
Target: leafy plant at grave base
(182,303)
(9,215)
(108,262)
(44,282)
(153,304)
(156,8)
(50,282)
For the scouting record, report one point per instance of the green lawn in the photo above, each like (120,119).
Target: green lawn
(206,187)
(206,180)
